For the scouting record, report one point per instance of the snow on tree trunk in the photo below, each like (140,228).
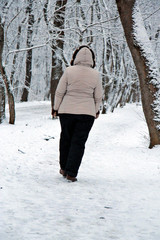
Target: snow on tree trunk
(144,59)
(57,47)
(153,77)
(2,101)
(29,52)
(5,79)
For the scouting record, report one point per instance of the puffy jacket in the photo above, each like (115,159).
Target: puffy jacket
(79,90)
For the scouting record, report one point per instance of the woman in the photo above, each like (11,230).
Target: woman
(77,101)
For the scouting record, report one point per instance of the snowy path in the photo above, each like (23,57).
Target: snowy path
(117,195)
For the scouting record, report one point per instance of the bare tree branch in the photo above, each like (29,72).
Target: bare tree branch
(24,50)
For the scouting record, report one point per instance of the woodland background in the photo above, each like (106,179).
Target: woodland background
(120,200)
(40,37)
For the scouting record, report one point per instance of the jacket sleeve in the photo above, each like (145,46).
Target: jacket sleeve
(60,91)
(98,93)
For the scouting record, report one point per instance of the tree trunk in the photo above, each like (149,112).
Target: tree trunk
(57,47)
(148,83)
(28,77)
(16,54)
(5,79)
(2,101)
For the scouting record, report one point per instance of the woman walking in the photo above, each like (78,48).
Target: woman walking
(77,101)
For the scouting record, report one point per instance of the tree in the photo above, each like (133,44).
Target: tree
(57,46)
(2,101)
(5,79)
(144,59)
(28,77)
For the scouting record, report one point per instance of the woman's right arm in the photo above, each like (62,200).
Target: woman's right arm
(60,91)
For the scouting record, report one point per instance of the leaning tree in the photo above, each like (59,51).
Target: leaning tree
(144,59)
(10,95)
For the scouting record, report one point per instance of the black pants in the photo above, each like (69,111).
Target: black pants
(74,133)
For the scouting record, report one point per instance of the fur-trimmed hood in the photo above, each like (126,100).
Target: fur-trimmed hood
(84,57)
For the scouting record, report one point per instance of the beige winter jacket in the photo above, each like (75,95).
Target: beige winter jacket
(80,89)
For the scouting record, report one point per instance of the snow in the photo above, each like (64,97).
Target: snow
(141,40)
(117,193)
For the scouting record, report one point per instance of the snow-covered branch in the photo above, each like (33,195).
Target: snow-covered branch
(25,49)
(152,14)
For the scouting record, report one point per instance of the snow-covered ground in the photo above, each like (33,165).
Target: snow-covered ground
(117,195)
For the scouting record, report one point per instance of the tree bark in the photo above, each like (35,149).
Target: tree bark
(16,54)
(28,77)
(57,47)
(5,79)
(2,101)
(148,90)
